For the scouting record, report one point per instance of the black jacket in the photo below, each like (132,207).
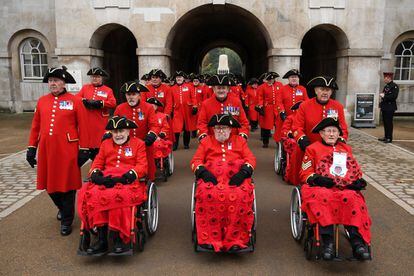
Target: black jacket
(389,103)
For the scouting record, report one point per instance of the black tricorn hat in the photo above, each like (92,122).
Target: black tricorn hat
(253,81)
(180,74)
(220,79)
(60,73)
(323,81)
(194,76)
(292,72)
(133,86)
(270,75)
(295,106)
(145,77)
(326,122)
(153,100)
(118,122)
(158,73)
(224,120)
(97,71)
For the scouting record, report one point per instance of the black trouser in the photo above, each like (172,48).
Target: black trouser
(186,138)
(327,235)
(66,205)
(93,153)
(265,133)
(387,117)
(194,134)
(253,124)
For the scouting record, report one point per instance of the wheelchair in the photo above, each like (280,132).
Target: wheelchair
(198,248)
(144,223)
(165,166)
(280,160)
(302,229)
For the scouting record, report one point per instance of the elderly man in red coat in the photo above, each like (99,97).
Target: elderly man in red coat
(268,98)
(98,99)
(105,203)
(290,94)
(332,181)
(159,90)
(59,136)
(221,103)
(312,111)
(251,102)
(199,94)
(184,105)
(223,165)
(143,115)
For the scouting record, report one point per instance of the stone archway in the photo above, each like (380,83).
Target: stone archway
(119,57)
(320,48)
(208,26)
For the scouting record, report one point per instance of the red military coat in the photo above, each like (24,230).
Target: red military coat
(59,128)
(211,150)
(161,93)
(251,101)
(97,118)
(310,113)
(209,92)
(268,96)
(183,102)
(163,125)
(336,205)
(231,105)
(130,155)
(290,96)
(236,91)
(143,115)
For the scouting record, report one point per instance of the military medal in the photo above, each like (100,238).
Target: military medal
(338,167)
(128,151)
(66,105)
(102,94)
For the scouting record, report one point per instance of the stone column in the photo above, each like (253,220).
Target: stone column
(151,57)
(282,60)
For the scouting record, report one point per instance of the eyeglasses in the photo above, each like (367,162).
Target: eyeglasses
(331,131)
(221,128)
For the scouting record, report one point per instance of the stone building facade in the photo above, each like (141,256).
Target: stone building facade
(354,40)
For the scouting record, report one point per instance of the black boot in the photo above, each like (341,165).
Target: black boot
(101,246)
(177,140)
(359,248)
(328,252)
(119,245)
(186,139)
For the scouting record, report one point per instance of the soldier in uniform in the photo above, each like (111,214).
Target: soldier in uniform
(59,136)
(160,91)
(184,105)
(251,102)
(98,99)
(146,79)
(162,120)
(312,111)
(221,103)
(199,94)
(143,115)
(388,105)
(268,97)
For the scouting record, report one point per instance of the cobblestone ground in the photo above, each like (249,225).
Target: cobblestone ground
(388,168)
(391,167)
(17,183)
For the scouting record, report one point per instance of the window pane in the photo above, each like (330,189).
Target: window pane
(397,74)
(406,62)
(404,74)
(36,71)
(34,42)
(41,48)
(27,71)
(43,59)
(36,59)
(26,47)
(398,62)
(27,59)
(44,70)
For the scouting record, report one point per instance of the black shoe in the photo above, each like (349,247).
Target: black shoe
(59,216)
(265,146)
(382,139)
(65,230)
(206,246)
(186,147)
(388,141)
(361,252)
(234,248)
(328,252)
(119,245)
(101,246)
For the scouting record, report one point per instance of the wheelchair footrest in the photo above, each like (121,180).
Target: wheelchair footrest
(129,252)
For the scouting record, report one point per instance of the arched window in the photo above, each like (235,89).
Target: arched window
(33,59)
(404,61)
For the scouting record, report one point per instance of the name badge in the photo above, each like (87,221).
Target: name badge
(141,116)
(66,105)
(185,88)
(102,94)
(229,146)
(159,121)
(160,94)
(299,93)
(128,151)
(338,166)
(332,113)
